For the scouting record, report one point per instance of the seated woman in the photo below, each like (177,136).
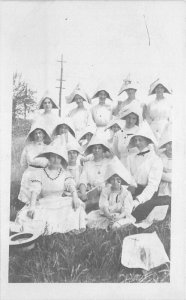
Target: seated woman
(47,117)
(80,116)
(146,168)
(115,202)
(64,132)
(92,178)
(48,211)
(35,144)
(165,145)
(74,167)
(121,146)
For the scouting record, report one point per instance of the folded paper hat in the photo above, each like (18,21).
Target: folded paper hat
(144,251)
(166,136)
(144,130)
(102,87)
(74,146)
(40,104)
(97,140)
(132,108)
(38,125)
(89,128)
(128,83)
(66,121)
(156,83)
(56,148)
(113,122)
(77,91)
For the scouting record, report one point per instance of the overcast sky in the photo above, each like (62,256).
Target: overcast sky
(101,42)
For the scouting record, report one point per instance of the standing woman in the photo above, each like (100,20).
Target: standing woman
(158,112)
(146,168)
(48,210)
(121,146)
(102,112)
(93,174)
(35,144)
(80,116)
(48,118)
(64,132)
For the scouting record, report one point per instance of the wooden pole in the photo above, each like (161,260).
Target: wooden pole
(61,84)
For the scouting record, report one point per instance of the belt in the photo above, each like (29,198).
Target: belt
(38,167)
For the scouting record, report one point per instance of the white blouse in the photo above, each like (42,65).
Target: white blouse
(81,118)
(101,114)
(30,151)
(147,171)
(49,121)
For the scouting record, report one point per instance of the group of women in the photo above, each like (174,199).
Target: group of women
(99,167)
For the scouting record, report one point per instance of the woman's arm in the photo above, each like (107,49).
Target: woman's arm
(32,205)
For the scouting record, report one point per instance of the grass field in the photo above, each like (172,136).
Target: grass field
(91,256)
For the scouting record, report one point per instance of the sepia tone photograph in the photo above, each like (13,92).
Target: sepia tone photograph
(94,93)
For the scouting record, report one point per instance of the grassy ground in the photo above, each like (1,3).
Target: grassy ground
(91,256)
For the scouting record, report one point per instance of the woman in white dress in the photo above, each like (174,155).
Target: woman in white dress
(102,112)
(121,147)
(116,202)
(64,132)
(146,168)
(80,116)
(48,118)
(49,211)
(158,112)
(93,174)
(35,144)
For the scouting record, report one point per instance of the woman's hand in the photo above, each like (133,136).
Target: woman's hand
(82,196)
(31,213)
(135,204)
(75,203)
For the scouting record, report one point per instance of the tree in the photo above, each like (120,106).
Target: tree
(23,98)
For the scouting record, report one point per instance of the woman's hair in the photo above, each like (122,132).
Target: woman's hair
(44,101)
(63,161)
(137,123)
(105,149)
(32,134)
(58,126)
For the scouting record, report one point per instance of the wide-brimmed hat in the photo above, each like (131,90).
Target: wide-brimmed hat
(102,87)
(144,130)
(74,146)
(97,140)
(156,83)
(127,84)
(66,121)
(91,129)
(113,122)
(77,91)
(166,136)
(54,105)
(132,108)
(23,240)
(56,148)
(38,125)
(115,167)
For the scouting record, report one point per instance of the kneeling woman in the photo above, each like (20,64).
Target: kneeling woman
(146,168)
(49,211)
(115,202)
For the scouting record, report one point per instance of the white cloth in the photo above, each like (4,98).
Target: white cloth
(144,251)
(28,157)
(81,118)
(75,171)
(101,115)
(49,121)
(165,187)
(53,212)
(147,171)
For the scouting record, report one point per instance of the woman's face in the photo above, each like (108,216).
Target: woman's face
(102,97)
(131,92)
(88,136)
(168,148)
(63,128)
(141,142)
(159,90)
(72,156)
(55,161)
(131,120)
(38,135)
(115,128)
(97,151)
(115,181)
(79,100)
(47,105)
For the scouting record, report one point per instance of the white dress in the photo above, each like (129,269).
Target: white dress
(116,203)
(75,171)
(159,115)
(49,121)
(121,144)
(29,161)
(81,118)
(101,115)
(166,180)
(53,212)
(147,171)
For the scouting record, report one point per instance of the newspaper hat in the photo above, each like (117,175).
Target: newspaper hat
(38,125)
(115,167)
(77,91)
(91,129)
(67,121)
(56,148)
(127,84)
(102,87)
(156,83)
(166,136)
(74,146)
(144,130)
(97,140)
(132,108)
(113,122)
(40,105)
(144,250)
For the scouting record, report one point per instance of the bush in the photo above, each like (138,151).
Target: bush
(20,127)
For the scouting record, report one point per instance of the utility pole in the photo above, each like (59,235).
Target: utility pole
(61,84)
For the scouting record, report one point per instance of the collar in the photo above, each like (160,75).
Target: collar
(143,153)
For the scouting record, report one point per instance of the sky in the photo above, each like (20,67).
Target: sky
(101,42)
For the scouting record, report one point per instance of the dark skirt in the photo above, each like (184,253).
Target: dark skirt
(144,209)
